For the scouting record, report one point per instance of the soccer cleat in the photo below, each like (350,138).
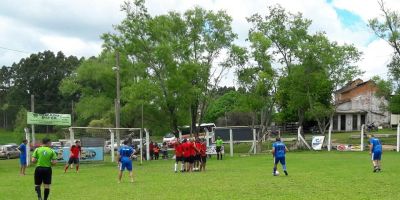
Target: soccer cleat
(286,173)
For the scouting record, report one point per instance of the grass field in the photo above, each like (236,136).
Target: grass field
(312,175)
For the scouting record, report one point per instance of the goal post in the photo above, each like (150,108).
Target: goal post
(106,138)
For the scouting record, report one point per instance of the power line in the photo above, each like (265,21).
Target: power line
(19,51)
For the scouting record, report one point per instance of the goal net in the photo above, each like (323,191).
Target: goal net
(102,144)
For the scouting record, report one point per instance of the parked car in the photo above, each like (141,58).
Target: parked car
(170,139)
(9,151)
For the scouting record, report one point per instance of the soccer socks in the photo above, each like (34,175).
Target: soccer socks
(39,193)
(285,170)
(274,170)
(176,166)
(46,193)
(182,166)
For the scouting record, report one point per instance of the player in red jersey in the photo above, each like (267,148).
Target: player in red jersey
(197,147)
(178,155)
(203,154)
(192,153)
(186,154)
(75,154)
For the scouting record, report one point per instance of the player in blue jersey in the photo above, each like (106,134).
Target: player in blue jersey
(375,150)
(279,151)
(22,157)
(126,153)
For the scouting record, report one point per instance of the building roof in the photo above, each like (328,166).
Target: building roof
(352,85)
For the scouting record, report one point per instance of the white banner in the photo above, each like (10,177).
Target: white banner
(317,142)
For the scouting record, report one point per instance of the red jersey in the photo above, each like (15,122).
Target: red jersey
(75,151)
(187,149)
(193,151)
(178,150)
(198,147)
(203,149)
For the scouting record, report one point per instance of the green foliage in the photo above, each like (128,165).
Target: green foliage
(100,123)
(176,52)
(40,75)
(222,105)
(21,121)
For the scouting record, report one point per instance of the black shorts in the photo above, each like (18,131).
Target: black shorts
(189,159)
(203,159)
(178,158)
(218,149)
(73,160)
(43,175)
(197,158)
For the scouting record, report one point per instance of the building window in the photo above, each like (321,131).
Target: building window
(355,119)
(342,122)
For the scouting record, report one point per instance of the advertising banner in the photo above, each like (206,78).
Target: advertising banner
(88,154)
(212,150)
(317,142)
(48,119)
(348,147)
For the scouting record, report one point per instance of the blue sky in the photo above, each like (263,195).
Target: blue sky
(74,26)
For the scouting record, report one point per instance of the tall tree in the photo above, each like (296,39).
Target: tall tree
(179,54)
(312,65)
(387,27)
(40,75)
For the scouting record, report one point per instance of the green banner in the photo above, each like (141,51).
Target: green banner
(49,119)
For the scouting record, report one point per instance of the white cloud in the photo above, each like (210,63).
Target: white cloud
(70,46)
(376,56)
(74,26)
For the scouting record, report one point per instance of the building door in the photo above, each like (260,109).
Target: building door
(335,123)
(355,117)
(342,122)
(362,119)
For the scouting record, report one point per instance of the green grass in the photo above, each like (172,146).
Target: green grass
(313,175)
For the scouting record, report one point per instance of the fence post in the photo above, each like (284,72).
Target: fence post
(330,135)
(207,138)
(112,144)
(28,146)
(398,136)
(231,142)
(362,137)
(254,141)
(148,145)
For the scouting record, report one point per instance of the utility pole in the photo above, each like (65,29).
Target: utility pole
(118,100)
(72,113)
(33,126)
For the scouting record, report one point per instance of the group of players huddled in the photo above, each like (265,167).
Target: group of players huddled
(192,155)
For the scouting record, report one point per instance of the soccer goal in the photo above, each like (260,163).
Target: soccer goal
(99,142)
(237,135)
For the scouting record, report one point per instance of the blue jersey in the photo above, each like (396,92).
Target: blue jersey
(22,149)
(376,145)
(280,149)
(125,152)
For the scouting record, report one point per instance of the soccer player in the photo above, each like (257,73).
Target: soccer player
(279,150)
(22,157)
(203,154)
(375,150)
(197,157)
(75,154)
(125,160)
(219,143)
(45,157)
(187,154)
(178,155)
